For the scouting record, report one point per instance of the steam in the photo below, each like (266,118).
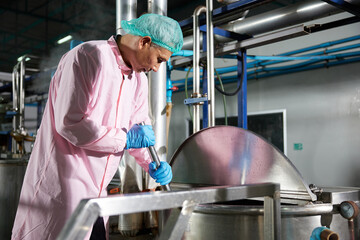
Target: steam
(93,21)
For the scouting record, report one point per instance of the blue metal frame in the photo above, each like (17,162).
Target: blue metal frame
(242,95)
(205,90)
(346,6)
(228,34)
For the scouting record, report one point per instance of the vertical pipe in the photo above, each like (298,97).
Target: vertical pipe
(128,170)
(196,65)
(157,104)
(15,102)
(210,62)
(125,10)
(14,93)
(21,94)
(157,94)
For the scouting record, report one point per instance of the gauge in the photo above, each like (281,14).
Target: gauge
(349,209)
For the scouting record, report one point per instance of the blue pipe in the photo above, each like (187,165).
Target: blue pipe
(169,86)
(285,58)
(169,67)
(322,45)
(326,51)
(338,56)
(183,53)
(291,58)
(314,60)
(232,79)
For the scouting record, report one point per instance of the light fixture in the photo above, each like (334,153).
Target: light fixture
(311,7)
(64,39)
(22,57)
(269,19)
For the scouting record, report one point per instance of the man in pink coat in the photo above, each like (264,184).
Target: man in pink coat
(96,98)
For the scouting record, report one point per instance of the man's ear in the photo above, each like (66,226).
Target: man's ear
(144,42)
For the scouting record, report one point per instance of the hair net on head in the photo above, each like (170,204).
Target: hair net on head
(164,31)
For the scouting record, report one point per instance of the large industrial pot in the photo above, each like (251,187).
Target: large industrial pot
(12,173)
(245,221)
(224,155)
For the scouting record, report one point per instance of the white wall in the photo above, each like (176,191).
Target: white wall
(323,111)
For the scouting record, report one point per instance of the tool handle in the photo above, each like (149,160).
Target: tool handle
(156,159)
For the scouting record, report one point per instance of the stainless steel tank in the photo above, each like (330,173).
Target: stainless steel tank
(224,155)
(12,173)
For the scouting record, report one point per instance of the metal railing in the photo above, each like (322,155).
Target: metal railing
(89,210)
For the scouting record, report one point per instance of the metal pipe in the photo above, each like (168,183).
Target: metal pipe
(157,94)
(196,66)
(156,159)
(157,104)
(128,225)
(125,10)
(14,91)
(210,63)
(21,94)
(276,19)
(15,105)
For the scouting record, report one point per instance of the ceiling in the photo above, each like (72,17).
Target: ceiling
(33,27)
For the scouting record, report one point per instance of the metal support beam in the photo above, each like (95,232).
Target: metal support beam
(178,221)
(89,210)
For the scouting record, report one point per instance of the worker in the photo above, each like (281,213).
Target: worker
(97,98)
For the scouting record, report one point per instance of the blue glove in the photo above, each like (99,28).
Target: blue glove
(163,174)
(140,136)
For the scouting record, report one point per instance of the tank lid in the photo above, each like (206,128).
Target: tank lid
(226,155)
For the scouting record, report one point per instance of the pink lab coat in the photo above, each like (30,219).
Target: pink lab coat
(94,99)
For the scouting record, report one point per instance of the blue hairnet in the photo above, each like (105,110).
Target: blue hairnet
(164,31)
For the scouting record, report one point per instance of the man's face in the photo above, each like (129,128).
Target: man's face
(149,57)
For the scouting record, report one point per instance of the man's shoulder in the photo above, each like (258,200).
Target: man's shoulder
(93,46)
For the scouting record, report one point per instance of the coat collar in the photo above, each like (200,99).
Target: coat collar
(120,61)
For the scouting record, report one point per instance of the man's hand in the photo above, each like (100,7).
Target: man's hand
(163,174)
(140,136)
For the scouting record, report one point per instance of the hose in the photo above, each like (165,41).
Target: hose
(224,98)
(240,85)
